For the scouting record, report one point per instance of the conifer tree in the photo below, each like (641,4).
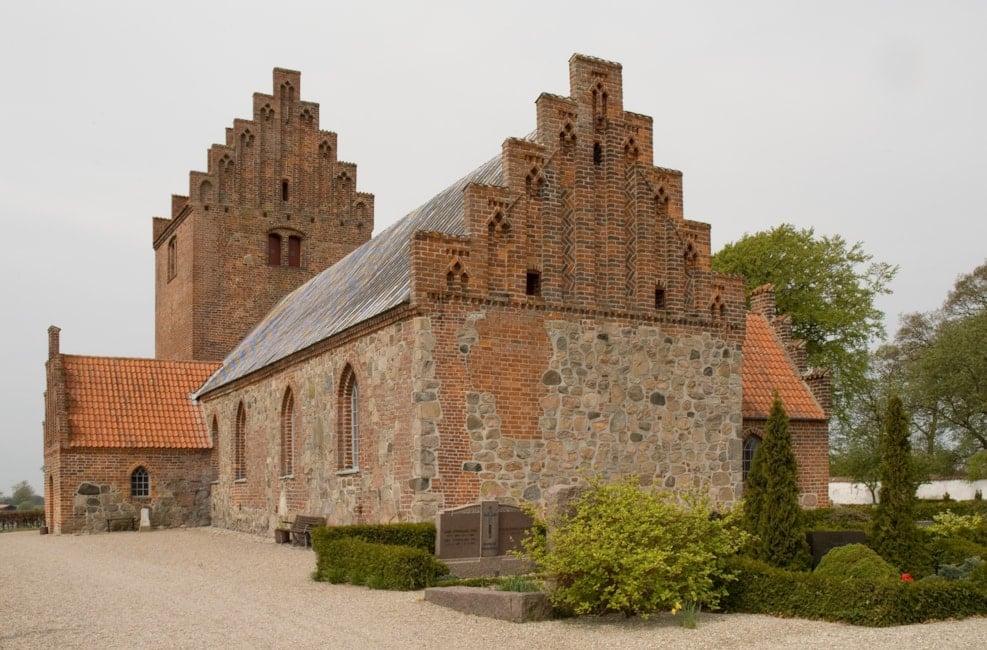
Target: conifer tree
(895,535)
(771,505)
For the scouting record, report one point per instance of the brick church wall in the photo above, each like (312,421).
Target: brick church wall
(810,443)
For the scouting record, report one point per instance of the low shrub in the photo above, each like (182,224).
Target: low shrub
(761,589)
(959,571)
(954,550)
(421,535)
(927,510)
(856,561)
(634,551)
(838,518)
(522,584)
(378,566)
(950,524)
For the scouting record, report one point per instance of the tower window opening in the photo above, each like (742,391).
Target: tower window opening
(284,190)
(532,284)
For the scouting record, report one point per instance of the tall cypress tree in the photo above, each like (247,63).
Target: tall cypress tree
(772,500)
(895,535)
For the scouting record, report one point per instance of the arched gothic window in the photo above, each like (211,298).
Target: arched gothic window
(140,483)
(750,446)
(287,434)
(239,444)
(349,421)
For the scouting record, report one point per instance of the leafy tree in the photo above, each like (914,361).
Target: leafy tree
(625,549)
(895,535)
(976,466)
(776,516)
(22,492)
(827,287)
(944,369)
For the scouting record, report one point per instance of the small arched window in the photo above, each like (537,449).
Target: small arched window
(140,483)
(349,421)
(287,434)
(172,257)
(294,251)
(240,444)
(750,446)
(274,249)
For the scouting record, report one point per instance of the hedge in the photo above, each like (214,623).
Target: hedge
(378,566)
(21,519)
(421,535)
(761,589)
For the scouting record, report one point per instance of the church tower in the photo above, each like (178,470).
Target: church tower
(275,208)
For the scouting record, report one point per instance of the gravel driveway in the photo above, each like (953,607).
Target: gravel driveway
(206,587)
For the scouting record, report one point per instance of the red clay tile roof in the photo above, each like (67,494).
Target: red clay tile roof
(767,368)
(135,402)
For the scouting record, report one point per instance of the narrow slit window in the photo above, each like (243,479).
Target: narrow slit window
(288,435)
(284,190)
(349,422)
(294,251)
(597,153)
(750,448)
(172,257)
(274,249)
(532,284)
(659,298)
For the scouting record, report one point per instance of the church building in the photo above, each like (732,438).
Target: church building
(548,318)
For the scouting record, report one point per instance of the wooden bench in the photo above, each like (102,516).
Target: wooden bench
(125,523)
(301,527)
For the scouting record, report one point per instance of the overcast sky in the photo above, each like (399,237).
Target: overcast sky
(863,119)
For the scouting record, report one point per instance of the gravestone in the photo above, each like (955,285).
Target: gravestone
(486,529)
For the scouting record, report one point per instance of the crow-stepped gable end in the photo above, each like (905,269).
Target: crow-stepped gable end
(274,208)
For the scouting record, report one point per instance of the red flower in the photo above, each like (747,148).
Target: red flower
(907,577)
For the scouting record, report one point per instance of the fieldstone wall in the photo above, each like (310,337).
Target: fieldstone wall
(394,410)
(619,400)
(102,507)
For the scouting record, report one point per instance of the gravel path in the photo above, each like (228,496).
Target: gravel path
(207,587)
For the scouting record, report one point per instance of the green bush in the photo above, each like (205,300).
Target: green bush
(634,551)
(927,510)
(379,566)
(838,518)
(856,561)
(959,571)
(951,524)
(420,535)
(762,589)
(979,575)
(954,550)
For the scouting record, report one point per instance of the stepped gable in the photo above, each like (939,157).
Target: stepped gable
(127,403)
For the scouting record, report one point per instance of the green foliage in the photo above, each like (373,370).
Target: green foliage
(772,513)
(421,535)
(378,566)
(979,576)
(762,589)
(950,524)
(846,517)
(522,584)
(954,550)
(894,534)
(828,288)
(959,571)
(634,551)
(976,466)
(856,561)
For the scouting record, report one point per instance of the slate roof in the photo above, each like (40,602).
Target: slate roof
(115,402)
(767,368)
(369,281)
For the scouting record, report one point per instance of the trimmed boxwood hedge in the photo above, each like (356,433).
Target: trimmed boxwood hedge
(762,589)
(421,535)
(378,566)
(381,556)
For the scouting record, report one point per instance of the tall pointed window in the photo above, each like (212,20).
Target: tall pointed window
(349,421)
(172,257)
(214,433)
(240,444)
(140,483)
(287,434)
(294,251)
(274,249)
(750,447)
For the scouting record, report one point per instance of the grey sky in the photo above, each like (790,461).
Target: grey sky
(864,119)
